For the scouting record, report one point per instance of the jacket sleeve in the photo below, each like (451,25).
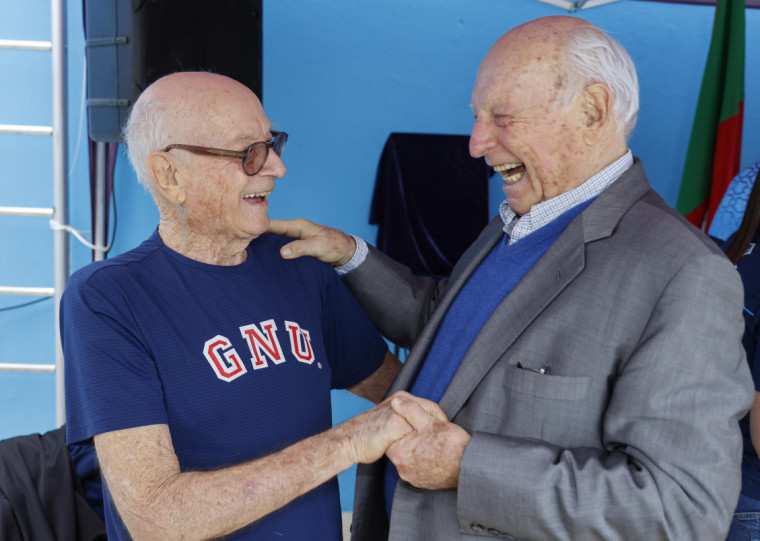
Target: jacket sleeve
(398,302)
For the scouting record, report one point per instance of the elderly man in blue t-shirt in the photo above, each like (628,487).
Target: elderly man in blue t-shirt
(200,363)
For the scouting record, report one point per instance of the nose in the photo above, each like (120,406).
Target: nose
(274,166)
(481,139)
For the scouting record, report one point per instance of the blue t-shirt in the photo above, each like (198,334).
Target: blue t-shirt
(749,269)
(237,360)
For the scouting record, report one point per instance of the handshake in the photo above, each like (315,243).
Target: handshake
(413,432)
(416,436)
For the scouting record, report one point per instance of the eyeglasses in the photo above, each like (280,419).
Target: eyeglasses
(254,157)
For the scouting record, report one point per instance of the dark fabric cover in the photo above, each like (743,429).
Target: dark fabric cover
(41,498)
(85,461)
(430,200)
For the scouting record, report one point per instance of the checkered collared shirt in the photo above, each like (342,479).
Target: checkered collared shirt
(518,227)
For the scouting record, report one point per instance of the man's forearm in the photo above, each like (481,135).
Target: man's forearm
(375,387)
(202,505)
(157,501)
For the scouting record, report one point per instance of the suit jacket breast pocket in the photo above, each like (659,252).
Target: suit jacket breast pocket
(529,382)
(548,407)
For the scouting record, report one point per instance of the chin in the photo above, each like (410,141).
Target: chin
(521,196)
(257,228)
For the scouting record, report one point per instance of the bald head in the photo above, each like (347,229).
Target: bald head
(554,100)
(545,37)
(575,53)
(195,108)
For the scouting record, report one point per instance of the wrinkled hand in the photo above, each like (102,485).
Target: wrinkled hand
(370,433)
(325,243)
(430,456)
(428,406)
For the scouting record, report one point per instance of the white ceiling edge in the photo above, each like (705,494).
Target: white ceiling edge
(578,4)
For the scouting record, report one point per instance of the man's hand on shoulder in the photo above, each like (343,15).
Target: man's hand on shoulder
(325,243)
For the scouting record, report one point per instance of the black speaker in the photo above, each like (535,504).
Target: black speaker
(131,43)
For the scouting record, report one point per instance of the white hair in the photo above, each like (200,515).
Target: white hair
(595,57)
(146,131)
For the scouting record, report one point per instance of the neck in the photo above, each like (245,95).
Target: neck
(607,154)
(210,249)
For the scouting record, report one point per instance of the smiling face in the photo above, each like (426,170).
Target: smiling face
(217,207)
(222,201)
(526,127)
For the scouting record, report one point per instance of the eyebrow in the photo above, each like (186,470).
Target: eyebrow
(249,140)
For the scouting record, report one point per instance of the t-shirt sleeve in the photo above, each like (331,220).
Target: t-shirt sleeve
(111,380)
(354,347)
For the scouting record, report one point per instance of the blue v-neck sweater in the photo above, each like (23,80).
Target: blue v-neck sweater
(488,286)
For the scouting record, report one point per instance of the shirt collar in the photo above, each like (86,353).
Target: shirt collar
(517,227)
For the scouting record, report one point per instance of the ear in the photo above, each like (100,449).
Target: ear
(166,177)
(598,109)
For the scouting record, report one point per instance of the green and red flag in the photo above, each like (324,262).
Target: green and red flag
(712,159)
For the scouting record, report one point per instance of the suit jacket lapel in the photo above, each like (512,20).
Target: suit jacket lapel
(547,278)
(469,262)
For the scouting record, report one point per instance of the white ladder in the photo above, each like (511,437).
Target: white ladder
(59,212)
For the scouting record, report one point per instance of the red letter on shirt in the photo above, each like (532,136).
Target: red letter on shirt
(223,358)
(304,354)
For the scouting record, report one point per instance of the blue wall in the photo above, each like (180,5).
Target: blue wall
(339,76)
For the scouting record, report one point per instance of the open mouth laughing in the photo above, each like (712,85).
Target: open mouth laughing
(510,172)
(258,196)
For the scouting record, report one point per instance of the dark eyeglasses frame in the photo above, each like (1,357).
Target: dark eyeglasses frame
(277,143)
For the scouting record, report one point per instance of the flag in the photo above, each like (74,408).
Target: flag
(714,152)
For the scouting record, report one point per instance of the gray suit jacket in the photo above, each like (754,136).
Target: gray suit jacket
(631,434)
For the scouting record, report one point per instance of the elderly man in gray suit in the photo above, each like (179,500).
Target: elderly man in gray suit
(586,347)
